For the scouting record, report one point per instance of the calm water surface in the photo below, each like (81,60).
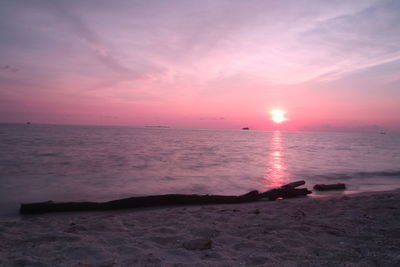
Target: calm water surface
(70,163)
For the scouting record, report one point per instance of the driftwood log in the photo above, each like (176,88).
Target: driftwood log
(326,187)
(286,191)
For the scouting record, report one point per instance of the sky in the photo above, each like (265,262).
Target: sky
(330,65)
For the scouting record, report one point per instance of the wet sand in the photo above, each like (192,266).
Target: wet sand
(353,230)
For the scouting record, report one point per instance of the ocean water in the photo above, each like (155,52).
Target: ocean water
(96,163)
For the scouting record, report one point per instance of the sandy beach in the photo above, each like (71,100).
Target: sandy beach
(355,230)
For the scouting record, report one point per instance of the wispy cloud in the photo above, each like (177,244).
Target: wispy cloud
(212,118)
(8,68)
(94,42)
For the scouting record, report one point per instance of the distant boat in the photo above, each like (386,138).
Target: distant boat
(245,128)
(28,122)
(157,126)
(382,132)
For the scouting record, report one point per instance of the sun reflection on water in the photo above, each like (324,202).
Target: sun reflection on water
(276,169)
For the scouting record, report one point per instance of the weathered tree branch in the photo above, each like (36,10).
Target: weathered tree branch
(285,191)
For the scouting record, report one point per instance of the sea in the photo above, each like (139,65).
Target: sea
(100,163)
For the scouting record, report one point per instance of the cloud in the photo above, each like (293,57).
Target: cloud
(94,42)
(355,42)
(285,42)
(9,68)
(212,118)
(282,43)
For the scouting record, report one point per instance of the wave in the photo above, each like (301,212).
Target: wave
(353,175)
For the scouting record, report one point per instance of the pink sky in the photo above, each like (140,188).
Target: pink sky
(331,65)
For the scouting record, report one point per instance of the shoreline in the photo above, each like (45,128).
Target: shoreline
(347,230)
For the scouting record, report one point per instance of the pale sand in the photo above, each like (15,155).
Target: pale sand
(358,230)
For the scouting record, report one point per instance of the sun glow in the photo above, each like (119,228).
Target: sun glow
(278,115)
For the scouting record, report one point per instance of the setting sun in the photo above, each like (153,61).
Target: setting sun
(278,115)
